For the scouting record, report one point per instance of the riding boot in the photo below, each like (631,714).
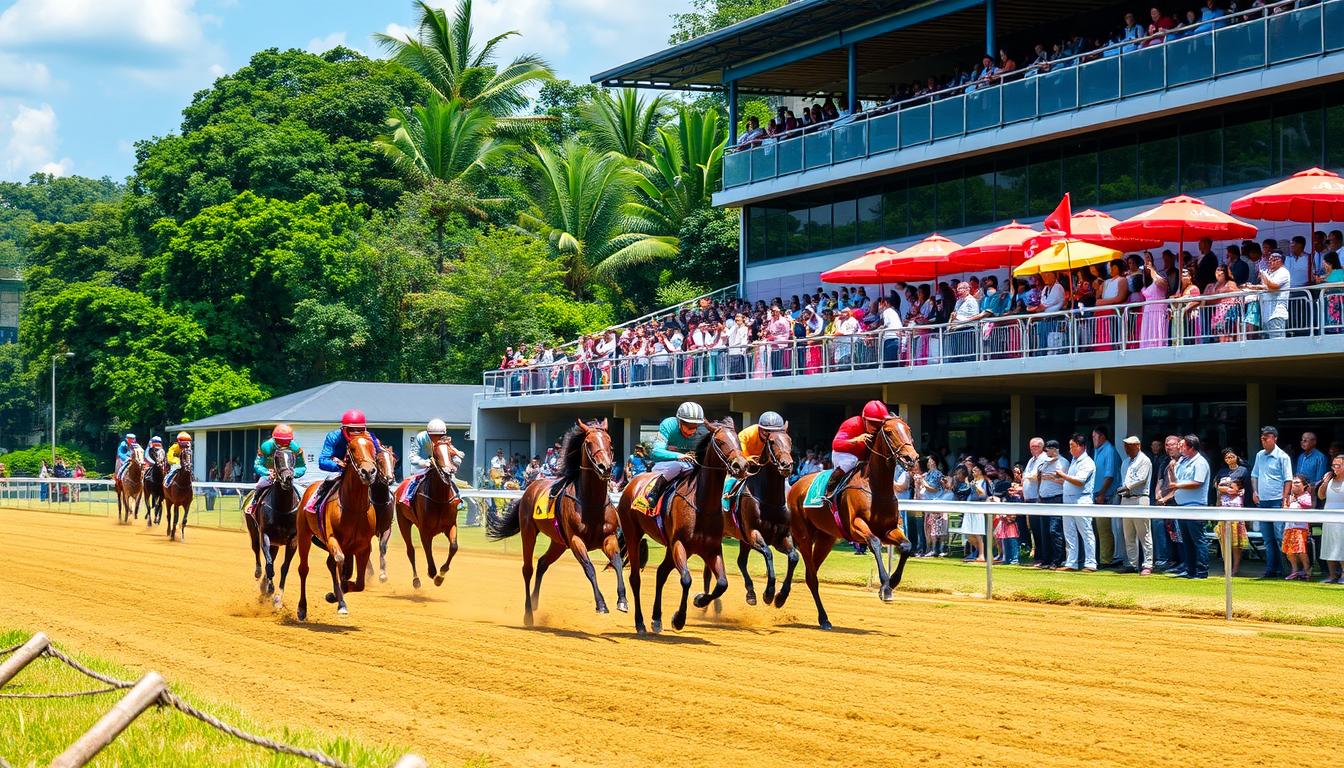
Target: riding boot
(835,482)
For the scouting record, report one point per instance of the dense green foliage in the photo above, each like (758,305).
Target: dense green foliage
(331,216)
(28,462)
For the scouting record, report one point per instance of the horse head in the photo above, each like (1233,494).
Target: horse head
(724,451)
(598,454)
(897,443)
(778,452)
(442,459)
(386,466)
(184,462)
(284,468)
(361,458)
(137,454)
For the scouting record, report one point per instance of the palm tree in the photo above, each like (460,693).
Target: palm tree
(625,123)
(684,168)
(577,203)
(443,54)
(445,146)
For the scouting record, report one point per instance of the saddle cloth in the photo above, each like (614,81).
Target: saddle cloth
(642,502)
(404,490)
(815,496)
(542,509)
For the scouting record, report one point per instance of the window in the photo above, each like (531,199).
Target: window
(756,218)
(1201,160)
(1298,143)
(776,233)
(1043,180)
(1010,192)
(796,230)
(870,219)
(1157,165)
(1246,155)
(1334,137)
(819,228)
(1080,175)
(951,197)
(895,225)
(923,203)
(845,219)
(1118,168)
(979,195)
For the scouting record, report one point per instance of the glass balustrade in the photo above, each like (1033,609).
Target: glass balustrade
(850,141)
(915,126)
(817,149)
(949,117)
(1099,81)
(1057,91)
(1189,60)
(1241,47)
(982,109)
(789,156)
(1019,100)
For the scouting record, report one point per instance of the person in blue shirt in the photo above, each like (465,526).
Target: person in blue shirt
(1192,490)
(1311,462)
(1110,535)
(1271,475)
(335,448)
(124,451)
(672,450)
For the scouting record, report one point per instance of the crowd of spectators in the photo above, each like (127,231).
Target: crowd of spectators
(1165,298)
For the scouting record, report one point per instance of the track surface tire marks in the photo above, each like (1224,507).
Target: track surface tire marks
(450,671)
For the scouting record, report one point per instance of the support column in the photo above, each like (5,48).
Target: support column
(853,95)
(732,113)
(1262,409)
(1127,388)
(1129,418)
(537,439)
(991,45)
(909,404)
(1022,425)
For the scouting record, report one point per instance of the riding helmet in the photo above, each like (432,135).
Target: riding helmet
(875,410)
(770,421)
(283,433)
(436,427)
(691,413)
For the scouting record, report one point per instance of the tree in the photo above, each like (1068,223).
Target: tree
(562,103)
(626,123)
(708,247)
(18,403)
(711,15)
(99,248)
(331,343)
(46,199)
(216,387)
(444,54)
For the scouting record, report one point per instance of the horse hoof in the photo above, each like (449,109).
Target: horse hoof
(657,626)
(270,587)
(342,611)
(331,597)
(603,609)
(751,598)
(678,620)
(622,606)
(438,580)
(640,629)
(382,576)
(780,598)
(824,624)
(302,614)
(886,595)
(527,620)
(701,600)
(257,573)
(416,582)
(769,596)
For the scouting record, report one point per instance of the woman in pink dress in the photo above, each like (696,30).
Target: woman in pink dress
(1153,331)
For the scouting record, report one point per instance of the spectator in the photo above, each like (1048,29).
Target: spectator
(753,136)
(1205,266)
(1079,486)
(1031,494)
(1192,489)
(1271,478)
(1166,534)
(1052,492)
(891,338)
(44,490)
(1135,481)
(1109,531)
(1311,463)
(1331,491)
(1231,484)
(1295,534)
(1275,281)
(1301,265)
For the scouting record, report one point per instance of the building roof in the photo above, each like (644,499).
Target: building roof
(389,404)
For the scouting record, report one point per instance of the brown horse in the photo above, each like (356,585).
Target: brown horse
(866,511)
(130,485)
(383,496)
(156,469)
(433,509)
(344,526)
(758,516)
(690,522)
(177,494)
(271,524)
(583,518)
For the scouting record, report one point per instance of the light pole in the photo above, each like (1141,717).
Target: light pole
(54,358)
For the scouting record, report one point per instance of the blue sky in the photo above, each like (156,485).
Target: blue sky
(82,80)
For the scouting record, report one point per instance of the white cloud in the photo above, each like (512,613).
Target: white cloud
(33,142)
(324,44)
(398,31)
(19,74)
(134,31)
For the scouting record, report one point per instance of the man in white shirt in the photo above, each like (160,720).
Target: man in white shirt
(1052,300)
(739,335)
(891,336)
(1301,265)
(1080,540)
(846,328)
(1275,282)
(964,312)
(1031,494)
(1136,471)
(1051,490)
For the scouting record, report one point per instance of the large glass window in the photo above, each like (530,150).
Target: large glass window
(1334,137)
(1157,165)
(979,194)
(844,214)
(895,223)
(777,223)
(1201,160)
(796,229)
(923,203)
(1298,144)
(756,233)
(1117,168)
(951,198)
(1080,174)
(1043,183)
(870,219)
(819,228)
(1246,152)
(1010,192)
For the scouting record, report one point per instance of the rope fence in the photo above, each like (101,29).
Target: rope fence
(149,691)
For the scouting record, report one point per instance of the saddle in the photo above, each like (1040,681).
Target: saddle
(644,500)
(544,507)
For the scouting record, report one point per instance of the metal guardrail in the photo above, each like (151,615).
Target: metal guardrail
(1120,329)
(1256,38)
(728,291)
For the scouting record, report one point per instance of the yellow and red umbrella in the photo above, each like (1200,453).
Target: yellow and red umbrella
(1068,254)
(921,261)
(1004,247)
(860,271)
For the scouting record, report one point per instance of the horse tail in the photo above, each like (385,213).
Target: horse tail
(499,527)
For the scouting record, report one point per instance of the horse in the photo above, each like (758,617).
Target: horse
(582,518)
(433,510)
(344,526)
(690,522)
(130,485)
(762,516)
(271,523)
(866,512)
(383,496)
(177,495)
(155,472)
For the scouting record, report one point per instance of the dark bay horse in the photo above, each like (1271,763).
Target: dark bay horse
(583,516)
(271,524)
(177,494)
(383,496)
(433,509)
(866,511)
(130,486)
(344,526)
(759,517)
(689,523)
(155,472)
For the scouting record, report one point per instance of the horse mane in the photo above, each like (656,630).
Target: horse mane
(571,452)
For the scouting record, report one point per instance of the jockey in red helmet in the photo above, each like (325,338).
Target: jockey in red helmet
(849,449)
(334,448)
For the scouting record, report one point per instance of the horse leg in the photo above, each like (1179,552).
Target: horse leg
(551,554)
(529,534)
(742,552)
(278,599)
(769,556)
(821,548)
(336,595)
(634,537)
(664,568)
(791,552)
(256,546)
(681,560)
(713,563)
(404,524)
(172,521)
(271,551)
(580,551)
(612,549)
(382,553)
(451,533)
(862,531)
(362,560)
(427,541)
(186,510)
(304,537)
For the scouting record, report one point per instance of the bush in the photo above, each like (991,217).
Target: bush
(678,292)
(27,462)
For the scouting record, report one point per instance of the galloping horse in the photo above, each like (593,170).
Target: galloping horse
(866,511)
(344,526)
(758,516)
(153,482)
(274,525)
(433,510)
(382,494)
(130,485)
(690,522)
(581,518)
(177,495)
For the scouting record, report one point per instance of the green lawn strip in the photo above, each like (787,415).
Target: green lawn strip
(37,730)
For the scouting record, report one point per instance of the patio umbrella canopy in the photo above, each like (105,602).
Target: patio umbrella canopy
(1309,196)
(1182,219)
(1004,247)
(1066,255)
(1093,226)
(860,271)
(933,252)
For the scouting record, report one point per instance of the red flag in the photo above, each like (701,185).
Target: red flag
(1042,241)
(1062,219)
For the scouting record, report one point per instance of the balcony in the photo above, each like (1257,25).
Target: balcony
(1143,334)
(1257,42)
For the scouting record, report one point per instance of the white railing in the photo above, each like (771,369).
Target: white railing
(726,292)
(1220,318)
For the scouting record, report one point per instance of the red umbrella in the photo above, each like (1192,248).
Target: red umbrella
(1096,227)
(1183,218)
(1004,247)
(1310,196)
(920,261)
(860,271)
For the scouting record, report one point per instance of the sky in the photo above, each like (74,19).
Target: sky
(82,80)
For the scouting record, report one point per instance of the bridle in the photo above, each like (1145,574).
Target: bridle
(714,431)
(770,453)
(591,464)
(895,450)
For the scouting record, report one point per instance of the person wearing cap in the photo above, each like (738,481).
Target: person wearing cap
(335,448)
(282,438)
(849,448)
(125,449)
(422,455)
(174,457)
(1136,471)
(673,450)
(1271,478)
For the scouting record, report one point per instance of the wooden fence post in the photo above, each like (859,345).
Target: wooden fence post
(109,726)
(35,647)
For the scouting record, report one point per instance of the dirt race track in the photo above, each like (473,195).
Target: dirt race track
(450,671)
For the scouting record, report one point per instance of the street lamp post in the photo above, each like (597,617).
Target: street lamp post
(54,358)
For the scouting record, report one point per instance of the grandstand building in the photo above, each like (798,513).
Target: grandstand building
(1214,111)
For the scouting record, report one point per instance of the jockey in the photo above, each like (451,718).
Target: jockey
(674,447)
(175,456)
(334,447)
(264,465)
(422,458)
(124,450)
(849,449)
(154,454)
(753,444)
